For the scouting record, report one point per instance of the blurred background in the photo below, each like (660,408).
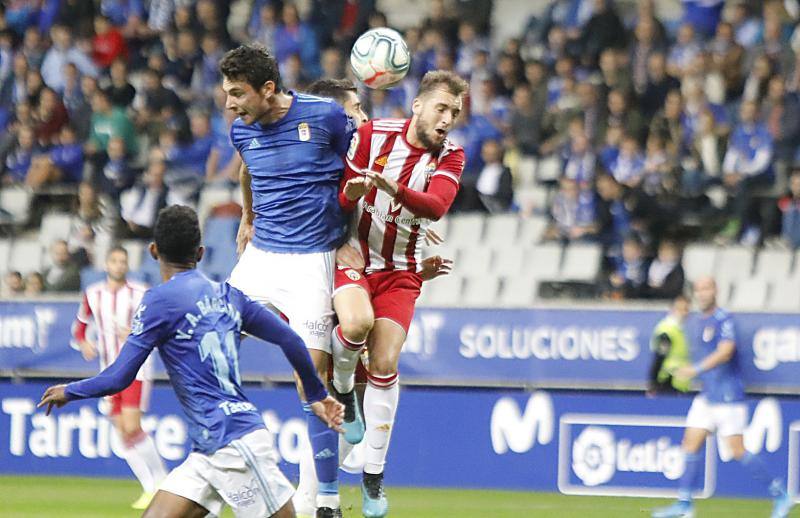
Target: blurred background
(616,151)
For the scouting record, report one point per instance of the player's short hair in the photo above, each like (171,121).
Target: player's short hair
(436,79)
(177,234)
(252,64)
(117,248)
(336,89)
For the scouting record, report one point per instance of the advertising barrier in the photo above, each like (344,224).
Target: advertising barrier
(578,443)
(551,348)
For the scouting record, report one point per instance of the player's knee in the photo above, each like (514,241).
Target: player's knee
(356,328)
(382,366)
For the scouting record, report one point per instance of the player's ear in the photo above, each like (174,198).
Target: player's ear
(416,106)
(200,251)
(153,249)
(268,89)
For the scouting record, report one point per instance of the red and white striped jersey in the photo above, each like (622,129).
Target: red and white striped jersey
(386,231)
(111,312)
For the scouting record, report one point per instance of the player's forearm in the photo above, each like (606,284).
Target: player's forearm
(247,192)
(721,355)
(113,379)
(432,204)
(79,331)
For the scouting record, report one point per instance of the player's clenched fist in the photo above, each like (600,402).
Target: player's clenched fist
(355,188)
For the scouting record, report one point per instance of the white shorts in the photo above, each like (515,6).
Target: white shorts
(726,419)
(298,285)
(243,474)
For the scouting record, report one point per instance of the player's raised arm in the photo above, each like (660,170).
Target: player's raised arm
(245,233)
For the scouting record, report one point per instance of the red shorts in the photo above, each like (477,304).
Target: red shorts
(393,294)
(137,395)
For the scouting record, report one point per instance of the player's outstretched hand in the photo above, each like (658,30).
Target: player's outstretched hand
(350,257)
(330,411)
(244,235)
(383,183)
(357,187)
(53,397)
(435,266)
(432,238)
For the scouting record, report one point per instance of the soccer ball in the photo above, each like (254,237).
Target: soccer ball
(380,58)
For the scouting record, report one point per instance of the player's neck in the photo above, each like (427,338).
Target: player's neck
(710,311)
(411,134)
(279,105)
(169,270)
(114,285)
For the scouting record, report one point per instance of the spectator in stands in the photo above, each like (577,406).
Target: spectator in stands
(222,165)
(729,57)
(64,51)
(140,204)
(63,163)
(296,37)
(790,209)
(656,166)
(604,30)
(525,121)
(665,277)
(629,272)
(156,100)
(645,45)
(13,285)
(494,181)
(332,63)
(108,44)
(707,150)
(64,274)
(51,116)
(192,155)
(33,48)
(757,82)
(18,160)
(683,52)
(207,76)
(264,26)
(628,168)
(34,284)
(579,161)
(781,113)
(572,212)
(658,85)
(110,121)
(92,219)
(117,174)
(621,115)
(120,90)
(747,166)
(668,123)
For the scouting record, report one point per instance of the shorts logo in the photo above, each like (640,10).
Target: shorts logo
(352,274)
(304,132)
(324,454)
(316,328)
(245,496)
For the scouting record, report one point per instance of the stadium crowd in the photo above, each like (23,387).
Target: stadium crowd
(626,129)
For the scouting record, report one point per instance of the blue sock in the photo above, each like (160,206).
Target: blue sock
(325,445)
(689,478)
(755,465)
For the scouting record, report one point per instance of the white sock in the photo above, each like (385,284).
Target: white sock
(307,485)
(344,449)
(138,466)
(345,358)
(380,407)
(146,449)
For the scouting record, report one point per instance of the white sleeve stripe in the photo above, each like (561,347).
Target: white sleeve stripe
(447,175)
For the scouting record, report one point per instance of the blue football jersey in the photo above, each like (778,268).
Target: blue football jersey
(196,323)
(723,383)
(295,164)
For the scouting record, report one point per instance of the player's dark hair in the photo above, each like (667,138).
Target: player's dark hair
(252,64)
(436,79)
(177,234)
(117,248)
(336,89)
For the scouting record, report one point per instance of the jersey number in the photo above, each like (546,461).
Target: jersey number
(225,363)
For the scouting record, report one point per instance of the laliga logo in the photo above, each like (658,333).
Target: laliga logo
(597,456)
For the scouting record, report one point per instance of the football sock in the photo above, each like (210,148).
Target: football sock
(325,446)
(307,485)
(754,464)
(689,477)
(345,358)
(344,449)
(380,406)
(138,462)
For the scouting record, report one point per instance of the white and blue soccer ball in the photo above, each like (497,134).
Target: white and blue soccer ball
(380,58)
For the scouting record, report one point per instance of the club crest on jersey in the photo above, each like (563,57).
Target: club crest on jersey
(430,169)
(708,333)
(304,132)
(352,274)
(381,160)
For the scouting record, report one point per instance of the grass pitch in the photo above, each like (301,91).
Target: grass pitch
(68,497)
